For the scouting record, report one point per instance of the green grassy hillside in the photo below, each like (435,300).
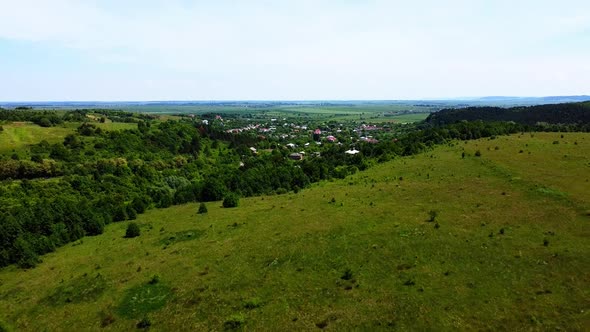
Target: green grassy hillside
(18,135)
(434,241)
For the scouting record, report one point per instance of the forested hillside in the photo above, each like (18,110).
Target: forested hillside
(577,115)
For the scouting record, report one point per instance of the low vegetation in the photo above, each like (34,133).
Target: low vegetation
(132,230)
(202,208)
(231,200)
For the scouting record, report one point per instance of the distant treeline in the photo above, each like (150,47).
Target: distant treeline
(41,118)
(573,114)
(53,118)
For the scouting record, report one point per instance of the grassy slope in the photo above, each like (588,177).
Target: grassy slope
(276,262)
(116,125)
(568,171)
(18,135)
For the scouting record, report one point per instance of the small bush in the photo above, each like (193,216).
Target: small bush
(29,262)
(432,214)
(234,322)
(409,282)
(231,200)
(144,323)
(322,325)
(120,214)
(107,318)
(202,208)
(155,279)
(132,230)
(36,158)
(253,303)
(347,275)
(131,213)
(478,153)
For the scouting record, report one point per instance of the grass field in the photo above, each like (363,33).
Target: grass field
(116,125)
(429,242)
(18,135)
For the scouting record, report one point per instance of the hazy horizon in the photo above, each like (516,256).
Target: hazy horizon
(180,50)
(458,99)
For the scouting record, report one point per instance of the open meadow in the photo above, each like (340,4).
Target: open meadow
(439,240)
(18,136)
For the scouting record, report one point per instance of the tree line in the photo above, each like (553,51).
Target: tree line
(574,115)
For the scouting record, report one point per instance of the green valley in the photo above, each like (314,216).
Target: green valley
(443,239)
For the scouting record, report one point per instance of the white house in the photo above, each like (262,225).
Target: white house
(352,152)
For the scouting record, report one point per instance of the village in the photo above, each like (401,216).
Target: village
(305,138)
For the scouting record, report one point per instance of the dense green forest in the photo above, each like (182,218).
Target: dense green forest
(577,115)
(67,190)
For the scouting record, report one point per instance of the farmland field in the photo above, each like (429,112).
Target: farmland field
(379,112)
(433,241)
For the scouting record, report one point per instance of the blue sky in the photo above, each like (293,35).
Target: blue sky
(307,49)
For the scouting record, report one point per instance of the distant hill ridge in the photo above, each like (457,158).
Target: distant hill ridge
(448,102)
(546,99)
(569,113)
